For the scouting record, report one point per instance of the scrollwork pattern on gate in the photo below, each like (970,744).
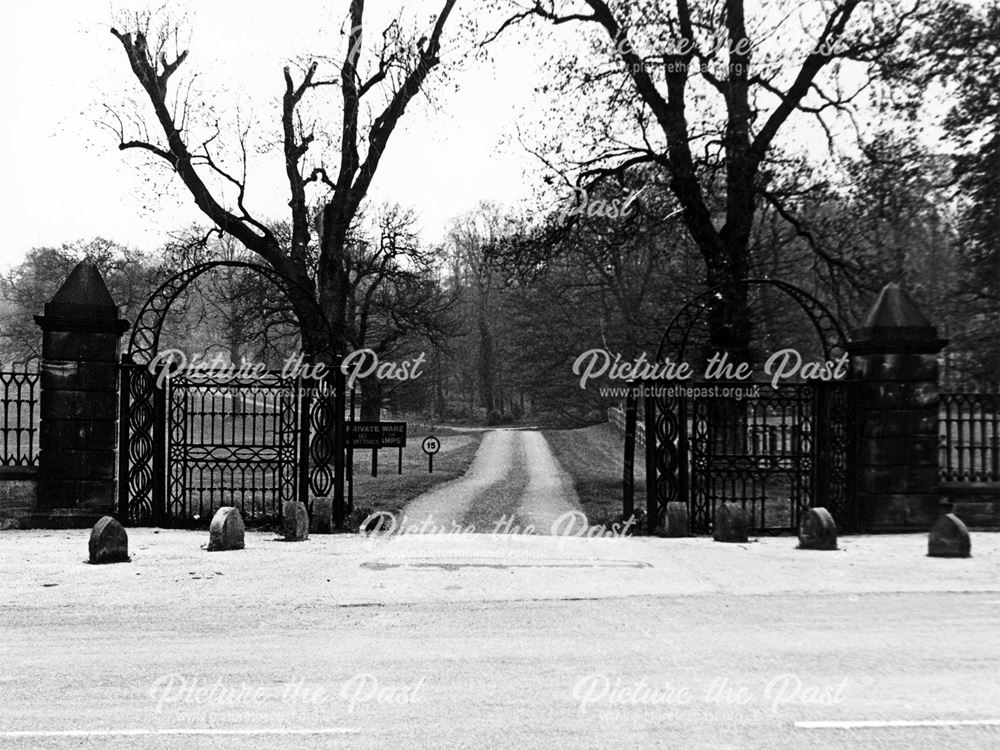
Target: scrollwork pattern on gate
(321,444)
(669,460)
(140,385)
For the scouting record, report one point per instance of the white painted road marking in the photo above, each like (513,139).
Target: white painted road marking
(159,732)
(897,723)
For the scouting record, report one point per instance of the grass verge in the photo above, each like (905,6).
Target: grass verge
(390,491)
(593,456)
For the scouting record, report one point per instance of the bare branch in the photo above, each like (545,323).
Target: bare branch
(242,228)
(166,155)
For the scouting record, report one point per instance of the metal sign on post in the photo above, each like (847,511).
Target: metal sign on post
(363,435)
(375,435)
(431,445)
(393,434)
(350,456)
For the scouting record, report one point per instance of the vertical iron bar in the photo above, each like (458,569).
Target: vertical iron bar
(628,470)
(683,477)
(981,461)
(821,462)
(339,406)
(962,439)
(159,462)
(124,383)
(652,447)
(949,404)
(303,400)
(350,457)
(994,474)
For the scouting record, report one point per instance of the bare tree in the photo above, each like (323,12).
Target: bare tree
(393,296)
(706,104)
(471,236)
(400,68)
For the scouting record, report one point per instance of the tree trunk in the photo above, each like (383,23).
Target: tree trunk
(371,400)
(730,326)
(730,332)
(439,399)
(486,363)
(333,282)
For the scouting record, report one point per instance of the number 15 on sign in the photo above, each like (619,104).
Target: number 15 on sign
(431,445)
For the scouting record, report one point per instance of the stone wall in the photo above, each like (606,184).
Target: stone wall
(18,496)
(977,506)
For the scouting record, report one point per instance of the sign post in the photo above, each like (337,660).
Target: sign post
(377,435)
(431,445)
(350,459)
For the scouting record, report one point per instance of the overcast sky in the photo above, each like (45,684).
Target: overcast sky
(65,179)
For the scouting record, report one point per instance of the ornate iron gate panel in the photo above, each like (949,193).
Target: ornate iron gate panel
(232,441)
(774,451)
(140,455)
(838,441)
(319,410)
(317,419)
(191,443)
(757,452)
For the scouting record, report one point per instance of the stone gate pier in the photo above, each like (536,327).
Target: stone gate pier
(78,434)
(894,358)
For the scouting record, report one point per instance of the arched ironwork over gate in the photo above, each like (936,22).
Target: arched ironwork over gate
(748,443)
(285,445)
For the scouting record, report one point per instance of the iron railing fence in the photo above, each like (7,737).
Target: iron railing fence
(19,387)
(969,437)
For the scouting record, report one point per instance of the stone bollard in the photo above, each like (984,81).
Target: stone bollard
(818,530)
(227,530)
(108,542)
(322,515)
(676,520)
(295,521)
(949,537)
(731,523)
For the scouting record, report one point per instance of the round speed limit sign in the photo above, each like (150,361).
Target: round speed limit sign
(431,445)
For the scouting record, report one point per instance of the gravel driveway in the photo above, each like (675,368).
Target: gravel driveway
(514,482)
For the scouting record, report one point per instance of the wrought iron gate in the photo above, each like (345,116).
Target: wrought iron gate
(775,451)
(189,445)
(194,442)
(233,441)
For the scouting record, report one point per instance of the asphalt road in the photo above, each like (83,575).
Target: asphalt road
(685,672)
(472,641)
